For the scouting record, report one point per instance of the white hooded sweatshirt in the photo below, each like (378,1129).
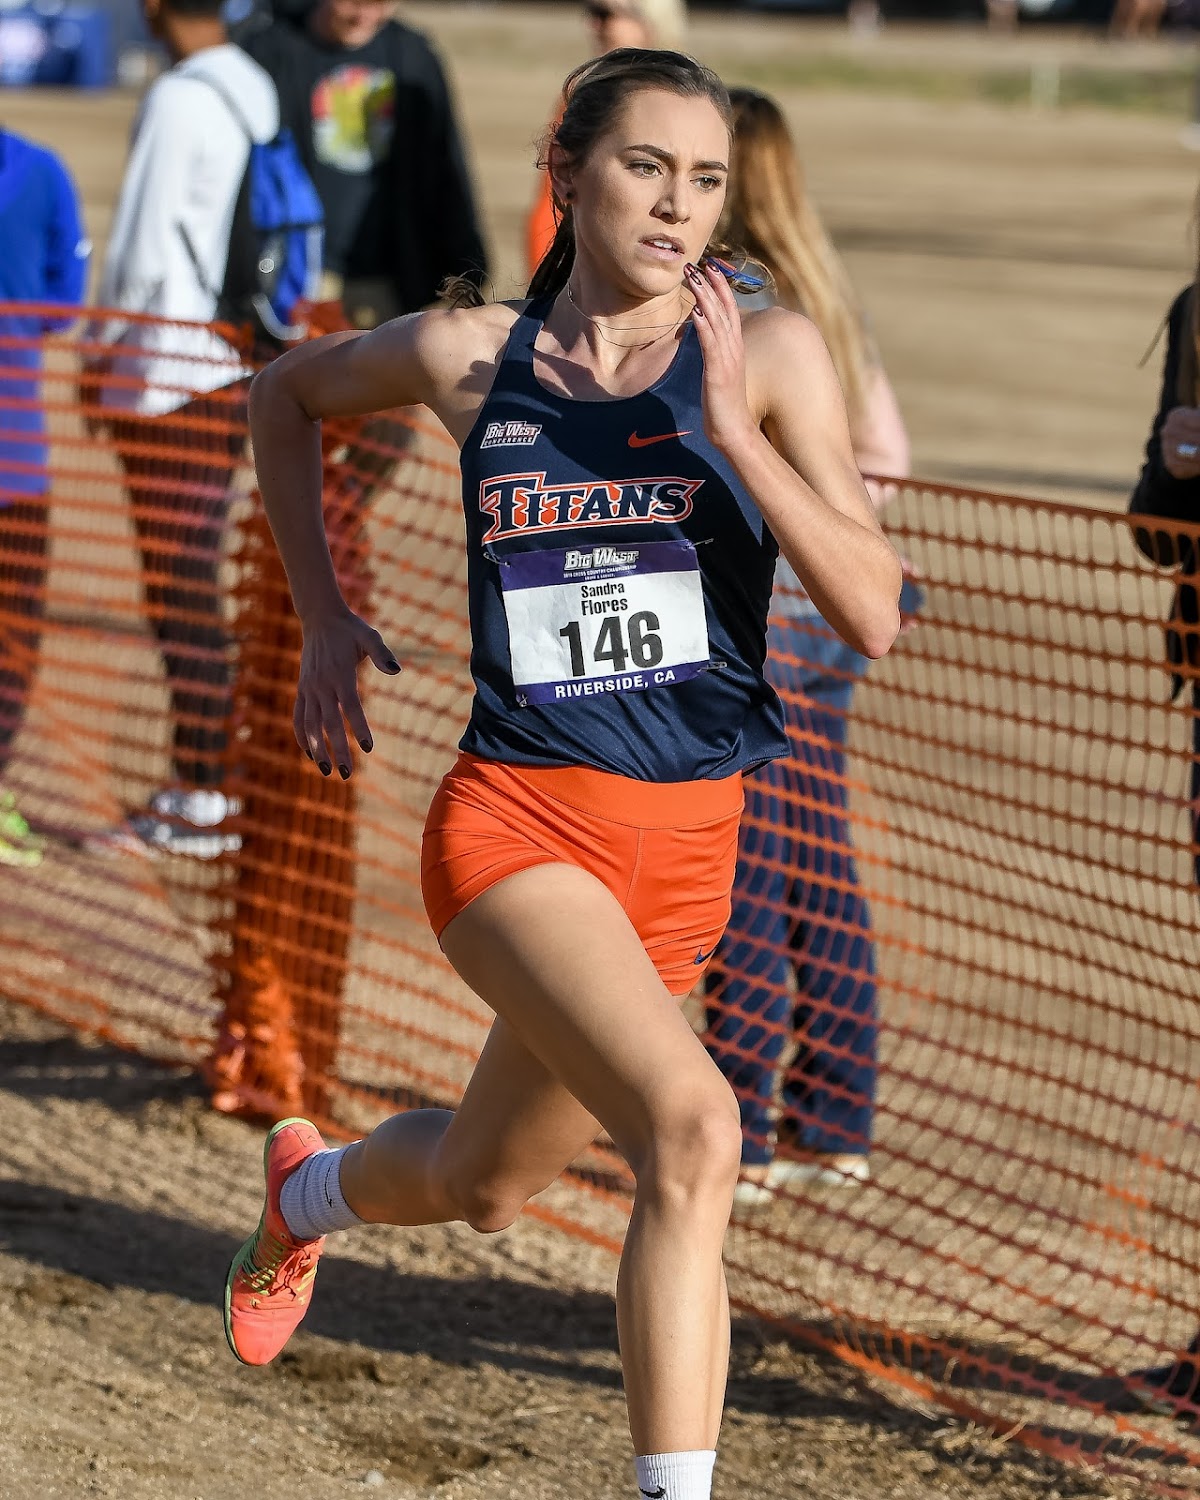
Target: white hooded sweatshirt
(186,162)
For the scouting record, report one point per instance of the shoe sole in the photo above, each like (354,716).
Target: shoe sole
(1154,1403)
(21,859)
(1155,1395)
(805,1174)
(235,1263)
(762,1199)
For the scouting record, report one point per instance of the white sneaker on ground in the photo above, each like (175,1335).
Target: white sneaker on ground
(187,822)
(753,1192)
(766,1184)
(820,1171)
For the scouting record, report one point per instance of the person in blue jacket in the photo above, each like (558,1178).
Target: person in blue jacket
(43,263)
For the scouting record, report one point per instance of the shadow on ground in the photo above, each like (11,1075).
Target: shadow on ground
(373,1310)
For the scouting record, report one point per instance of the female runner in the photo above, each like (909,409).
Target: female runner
(630,454)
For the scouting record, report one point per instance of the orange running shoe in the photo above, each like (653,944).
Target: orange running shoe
(269,1286)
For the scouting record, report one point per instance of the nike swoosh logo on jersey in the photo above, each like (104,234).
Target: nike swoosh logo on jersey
(653,1494)
(703,958)
(660,437)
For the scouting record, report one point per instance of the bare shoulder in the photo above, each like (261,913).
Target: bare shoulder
(787,361)
(443,359)
(450,342)
(774,331)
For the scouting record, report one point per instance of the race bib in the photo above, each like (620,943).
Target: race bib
(592,620)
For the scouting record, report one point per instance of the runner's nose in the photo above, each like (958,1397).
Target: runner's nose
(672,206)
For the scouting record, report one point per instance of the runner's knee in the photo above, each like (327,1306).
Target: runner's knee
(695,1148)
(487,1203)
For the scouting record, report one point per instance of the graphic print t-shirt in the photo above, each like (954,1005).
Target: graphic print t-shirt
(376,128)
(353,123)
(344,101)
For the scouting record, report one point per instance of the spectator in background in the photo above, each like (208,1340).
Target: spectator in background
(1132,19)
(798,912)
(614,23)
(1002,15)
(369,106)
(1169,486)
(179,426)
(43,259)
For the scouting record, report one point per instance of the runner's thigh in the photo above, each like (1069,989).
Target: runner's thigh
(553,953)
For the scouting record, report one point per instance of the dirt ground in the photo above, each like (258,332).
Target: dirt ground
(434,1362)
(1015,264)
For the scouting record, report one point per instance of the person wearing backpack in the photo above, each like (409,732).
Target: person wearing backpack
(173,397)
(369,105)
(368,102)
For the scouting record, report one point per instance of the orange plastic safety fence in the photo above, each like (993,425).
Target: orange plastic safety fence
(964,951)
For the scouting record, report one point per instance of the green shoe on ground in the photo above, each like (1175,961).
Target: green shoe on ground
(20,849)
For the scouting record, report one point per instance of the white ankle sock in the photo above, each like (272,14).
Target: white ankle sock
(311,1199)
(676,1476)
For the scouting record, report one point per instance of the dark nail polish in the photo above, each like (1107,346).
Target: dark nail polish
(392,664)
(344,772)
(324,767)
(368,745)
(698,310)
(308,752)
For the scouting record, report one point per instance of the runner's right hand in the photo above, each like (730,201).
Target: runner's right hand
(1180,438)
(327,693)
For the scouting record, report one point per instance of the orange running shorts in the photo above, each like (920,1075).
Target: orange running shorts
(666,851)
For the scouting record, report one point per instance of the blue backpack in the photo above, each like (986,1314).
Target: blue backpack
(276,241)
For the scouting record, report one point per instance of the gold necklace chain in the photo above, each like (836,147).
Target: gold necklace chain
(633,328)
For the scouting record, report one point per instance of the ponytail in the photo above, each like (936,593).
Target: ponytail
(554,269)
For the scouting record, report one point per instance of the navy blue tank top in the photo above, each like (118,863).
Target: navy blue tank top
(619,578)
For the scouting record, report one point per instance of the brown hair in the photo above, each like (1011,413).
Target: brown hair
(1187,380)
(769,213)
(592,98)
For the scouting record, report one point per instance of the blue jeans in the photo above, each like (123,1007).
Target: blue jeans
(797,908)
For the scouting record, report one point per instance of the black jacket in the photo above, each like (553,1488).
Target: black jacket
(1159,493)
(414,220)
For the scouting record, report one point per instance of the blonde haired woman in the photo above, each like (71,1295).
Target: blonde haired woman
(798,913)
(770,217)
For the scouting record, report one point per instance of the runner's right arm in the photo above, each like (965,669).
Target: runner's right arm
(405,362)
(426,358)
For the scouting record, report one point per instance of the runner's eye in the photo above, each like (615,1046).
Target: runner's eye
(708,184)
(644,168)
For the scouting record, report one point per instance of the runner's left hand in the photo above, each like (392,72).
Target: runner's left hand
(718,323)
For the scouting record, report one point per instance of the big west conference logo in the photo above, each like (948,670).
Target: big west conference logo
(510,434)
(598,557)
(520,503)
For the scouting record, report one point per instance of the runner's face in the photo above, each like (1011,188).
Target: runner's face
(648,195)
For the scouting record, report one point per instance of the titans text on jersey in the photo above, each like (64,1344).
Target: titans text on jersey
(520,503)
